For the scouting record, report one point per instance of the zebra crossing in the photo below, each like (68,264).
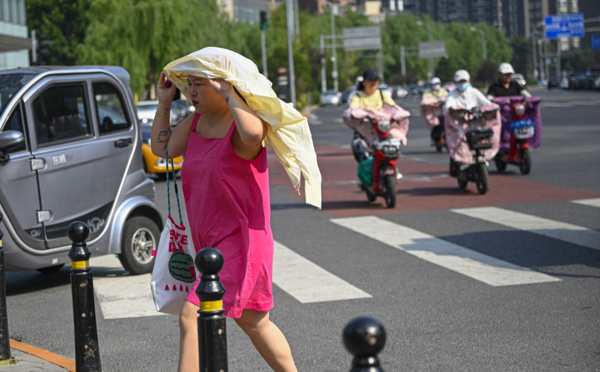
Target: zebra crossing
(122,296)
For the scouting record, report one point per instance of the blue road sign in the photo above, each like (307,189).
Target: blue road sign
(564,26)
(595,42)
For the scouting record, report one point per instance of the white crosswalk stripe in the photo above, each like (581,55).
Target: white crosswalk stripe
(297,276)
(588,202)
(475,265)
(123,296)
(537,225)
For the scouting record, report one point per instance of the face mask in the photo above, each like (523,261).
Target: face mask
(436,86)
(462,87)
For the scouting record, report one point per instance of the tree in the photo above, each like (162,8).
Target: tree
(63,25)
(144,35)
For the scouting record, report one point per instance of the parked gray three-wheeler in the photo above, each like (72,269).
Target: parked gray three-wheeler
(70,150)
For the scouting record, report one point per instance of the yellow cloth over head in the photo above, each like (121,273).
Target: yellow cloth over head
(288,131)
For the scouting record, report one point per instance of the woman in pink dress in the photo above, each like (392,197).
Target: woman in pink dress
(226,188)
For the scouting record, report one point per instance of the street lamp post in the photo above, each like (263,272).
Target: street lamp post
(483,42)
(334,74)
(430,65)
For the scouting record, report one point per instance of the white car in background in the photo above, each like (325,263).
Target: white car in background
(331,97)
(401,92)
(386,88)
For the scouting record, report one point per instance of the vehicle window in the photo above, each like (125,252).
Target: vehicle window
(111,113)
(60,114)
(15,122)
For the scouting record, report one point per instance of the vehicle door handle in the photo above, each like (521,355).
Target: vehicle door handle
(123,142)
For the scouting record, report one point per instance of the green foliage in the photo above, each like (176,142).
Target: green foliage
(62,21)
(144,35)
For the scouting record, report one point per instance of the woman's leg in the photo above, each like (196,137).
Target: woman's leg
(268,340)
(188,338)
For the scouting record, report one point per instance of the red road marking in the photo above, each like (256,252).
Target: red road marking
(424,187)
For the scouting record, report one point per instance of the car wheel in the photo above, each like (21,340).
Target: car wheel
(140,236)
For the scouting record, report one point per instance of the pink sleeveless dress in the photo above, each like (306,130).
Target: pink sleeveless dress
(229,208)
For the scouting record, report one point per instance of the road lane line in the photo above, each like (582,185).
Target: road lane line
(308,282)
(588,202)
(537,225)
(475,265)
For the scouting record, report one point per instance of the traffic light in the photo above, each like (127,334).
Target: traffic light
(263,20)
(43,52)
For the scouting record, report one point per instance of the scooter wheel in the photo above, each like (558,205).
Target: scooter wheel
(525,162)
(390,191)
(482,178)
(500,164)
(462,184)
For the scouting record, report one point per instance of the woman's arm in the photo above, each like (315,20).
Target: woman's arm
(161,134)
(251,128)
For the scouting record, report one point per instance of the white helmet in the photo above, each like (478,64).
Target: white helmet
(506,68)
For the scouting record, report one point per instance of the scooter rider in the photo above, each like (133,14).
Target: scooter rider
(504,86)
(368,96)
(464,96)
(436,91)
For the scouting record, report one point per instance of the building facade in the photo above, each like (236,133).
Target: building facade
(14,43)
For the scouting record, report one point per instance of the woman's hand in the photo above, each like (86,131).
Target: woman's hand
(165,94)
(222,87)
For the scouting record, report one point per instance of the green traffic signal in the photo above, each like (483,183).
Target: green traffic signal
(263,20)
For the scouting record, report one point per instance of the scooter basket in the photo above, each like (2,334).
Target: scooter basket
(480,139)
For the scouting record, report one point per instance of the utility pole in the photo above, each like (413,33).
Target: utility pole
(323,72)
(403,60)
(289,8)
(263,43)
(334,73)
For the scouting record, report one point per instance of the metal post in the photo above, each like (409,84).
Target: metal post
(296,22)
(403,60)
(430,63)
(334,74)
(558,62)
(212,332)
(541,62)
(33,47)
(484,43)
(323,70)
(534,42)
(87,351)
(263,45)
(364,337)
(289,9)
(5,357)
(380,64)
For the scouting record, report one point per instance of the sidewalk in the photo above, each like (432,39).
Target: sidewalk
(27,358)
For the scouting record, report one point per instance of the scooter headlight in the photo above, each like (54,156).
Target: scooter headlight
(383,125)
(520,109)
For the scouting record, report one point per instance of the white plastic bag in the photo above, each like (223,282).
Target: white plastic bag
(174,272)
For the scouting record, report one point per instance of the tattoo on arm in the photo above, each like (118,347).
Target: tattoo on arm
(162,136)
(227,99)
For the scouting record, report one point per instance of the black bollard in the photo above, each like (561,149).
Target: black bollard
(5,357)
(364,337)
(212,333)
(87,351)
